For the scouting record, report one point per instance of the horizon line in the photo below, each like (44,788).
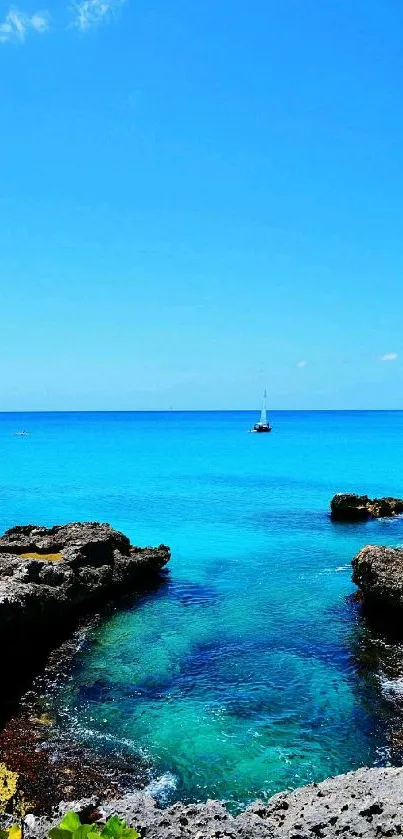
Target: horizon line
(198,410)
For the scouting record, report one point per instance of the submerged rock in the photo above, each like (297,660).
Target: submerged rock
(367,803)
(351,507)
(48,575)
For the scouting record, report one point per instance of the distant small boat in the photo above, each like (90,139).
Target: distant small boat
(21,433)
(263,426)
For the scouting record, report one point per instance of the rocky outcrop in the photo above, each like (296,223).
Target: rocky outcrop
(367,804)
(351,507)
(48,575)
(378,572)
(383,507)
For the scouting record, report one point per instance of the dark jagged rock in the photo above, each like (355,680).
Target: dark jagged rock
(367,803)
(45,572)
(383,507)
(378,572)
(49,575)
(351,507)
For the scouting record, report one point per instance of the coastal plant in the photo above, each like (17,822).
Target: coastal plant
(8,786)
(8,792)
(13,832)
(70,827)
(21,807)
(12,800)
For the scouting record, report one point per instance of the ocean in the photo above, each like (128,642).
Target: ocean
(247,671)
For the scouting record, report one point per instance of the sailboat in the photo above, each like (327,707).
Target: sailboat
(263,426)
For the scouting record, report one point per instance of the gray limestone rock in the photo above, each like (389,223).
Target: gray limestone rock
(366,804)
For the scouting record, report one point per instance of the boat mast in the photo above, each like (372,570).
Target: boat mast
(263,413)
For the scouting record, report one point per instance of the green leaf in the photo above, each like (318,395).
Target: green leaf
(83,831)
(71,821)
(114,828)
(58,833)
(3,834)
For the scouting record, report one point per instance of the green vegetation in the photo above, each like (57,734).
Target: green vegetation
(71,828)
(13,801)
(14,832)
(13,798)
(8,785)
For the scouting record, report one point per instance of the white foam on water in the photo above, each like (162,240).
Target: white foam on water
(333,570)
(85,733)
(162,787)
(392,687)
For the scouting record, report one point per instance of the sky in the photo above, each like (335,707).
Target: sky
(200,200)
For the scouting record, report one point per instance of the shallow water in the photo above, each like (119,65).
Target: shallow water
(242,675)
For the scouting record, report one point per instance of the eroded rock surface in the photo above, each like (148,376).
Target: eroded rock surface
(351,507)
(48,574)
(378,572)
(367,804)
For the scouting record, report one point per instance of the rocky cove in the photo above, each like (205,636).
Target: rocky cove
(52,577)
(53,581)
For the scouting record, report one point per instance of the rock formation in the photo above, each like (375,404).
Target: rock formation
(45,574)
(367,804)
(378,572)
(49,575)
(351,507)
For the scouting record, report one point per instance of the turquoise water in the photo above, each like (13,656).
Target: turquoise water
(241,676)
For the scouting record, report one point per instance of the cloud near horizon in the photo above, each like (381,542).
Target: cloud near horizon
(17,24)
(388,356)
(89,13)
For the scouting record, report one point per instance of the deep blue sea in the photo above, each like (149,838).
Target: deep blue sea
(241,676)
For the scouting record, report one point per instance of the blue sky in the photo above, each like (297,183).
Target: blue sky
(196,198)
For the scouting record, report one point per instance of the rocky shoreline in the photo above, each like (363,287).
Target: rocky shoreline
(57,576)
(367,804)
(50,577)
(378,573)
(48,573)
(51,764)
(53,581)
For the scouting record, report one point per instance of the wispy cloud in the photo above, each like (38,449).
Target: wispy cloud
(302,363)
(17,24)
(388,356)
(89,13)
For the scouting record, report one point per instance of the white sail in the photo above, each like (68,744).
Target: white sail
(263,413)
